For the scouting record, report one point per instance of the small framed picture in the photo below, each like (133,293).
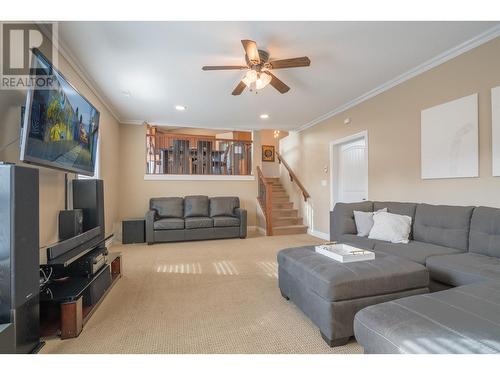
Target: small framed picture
(268,153)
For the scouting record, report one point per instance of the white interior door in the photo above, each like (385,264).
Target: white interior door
(350,170)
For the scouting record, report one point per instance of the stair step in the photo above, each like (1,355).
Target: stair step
(286,221)
(284,212)
(290,229)
(281,199)
(281,196)
(282,205)
(278,189)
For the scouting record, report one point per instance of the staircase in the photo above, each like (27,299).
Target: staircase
(285,219)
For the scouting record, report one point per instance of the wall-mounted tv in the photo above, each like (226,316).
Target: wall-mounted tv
(60,127)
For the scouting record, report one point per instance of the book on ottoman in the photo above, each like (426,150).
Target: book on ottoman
(344,253)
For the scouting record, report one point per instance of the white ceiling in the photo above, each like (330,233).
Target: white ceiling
(159,63)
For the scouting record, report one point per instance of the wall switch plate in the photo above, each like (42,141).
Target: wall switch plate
(323,182)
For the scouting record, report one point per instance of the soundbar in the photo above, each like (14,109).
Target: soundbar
(87,239)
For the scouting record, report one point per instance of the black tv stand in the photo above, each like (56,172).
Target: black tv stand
(62,309)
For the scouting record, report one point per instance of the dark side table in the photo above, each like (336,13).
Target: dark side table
(133,231)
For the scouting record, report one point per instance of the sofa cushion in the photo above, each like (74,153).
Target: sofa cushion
(334,281)
(443,225)
(168,223)
(458,320)
(198,222)
(462,269)
(484,237)
(196,206)
(226,221)
(168,207)
(357,241)
(342,218)
(399,208)
(414,250)
(223,206)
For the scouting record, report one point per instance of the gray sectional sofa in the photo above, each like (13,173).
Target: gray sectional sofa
(459,248)
(196,217)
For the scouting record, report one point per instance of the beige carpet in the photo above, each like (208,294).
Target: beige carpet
(200,297)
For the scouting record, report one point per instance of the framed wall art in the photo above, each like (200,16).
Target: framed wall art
(268,153)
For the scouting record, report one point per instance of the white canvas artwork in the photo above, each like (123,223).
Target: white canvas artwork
(449,139)
(495,130)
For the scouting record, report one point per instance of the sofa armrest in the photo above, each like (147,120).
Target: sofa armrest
(150,220)
(242,215)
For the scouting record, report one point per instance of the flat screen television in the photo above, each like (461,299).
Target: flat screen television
(61,127)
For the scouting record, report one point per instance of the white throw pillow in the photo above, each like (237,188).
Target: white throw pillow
(390,227)
(364,221)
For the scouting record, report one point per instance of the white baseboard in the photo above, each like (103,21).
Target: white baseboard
(261,230)
(316,233)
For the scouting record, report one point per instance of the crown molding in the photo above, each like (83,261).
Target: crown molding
(472,43)
(194,126)
(84,76)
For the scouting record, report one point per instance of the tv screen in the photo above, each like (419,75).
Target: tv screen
(60,127)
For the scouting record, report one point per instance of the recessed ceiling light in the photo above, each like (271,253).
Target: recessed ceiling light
(264,116)
(180,107)
(126,93)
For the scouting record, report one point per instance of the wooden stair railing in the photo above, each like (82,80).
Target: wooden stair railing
(293,177)
(265,199)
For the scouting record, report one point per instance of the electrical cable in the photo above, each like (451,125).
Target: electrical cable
(46,278)
(9,144)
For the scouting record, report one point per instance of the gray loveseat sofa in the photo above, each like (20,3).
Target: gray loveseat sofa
(460,247)
(196,217)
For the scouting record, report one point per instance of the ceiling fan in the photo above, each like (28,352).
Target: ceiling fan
(259,68)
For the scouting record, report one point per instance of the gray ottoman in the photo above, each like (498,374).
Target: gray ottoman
(458,320)
(331,293)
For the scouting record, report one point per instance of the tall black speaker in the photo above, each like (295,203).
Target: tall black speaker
(88,195)
(20,255)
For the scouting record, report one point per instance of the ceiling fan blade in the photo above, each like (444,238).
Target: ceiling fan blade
(251,50)
(290,63)
(225,67)
(239,89)
(277,83)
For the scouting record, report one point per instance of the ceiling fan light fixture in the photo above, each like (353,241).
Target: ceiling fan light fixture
(250,77)
(246,81)
(262,81)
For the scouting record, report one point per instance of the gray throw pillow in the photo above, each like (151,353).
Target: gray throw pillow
(364,221)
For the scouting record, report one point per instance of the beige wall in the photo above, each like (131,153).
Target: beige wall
(135,192)
(271,169)
(52,181)
(393,123)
